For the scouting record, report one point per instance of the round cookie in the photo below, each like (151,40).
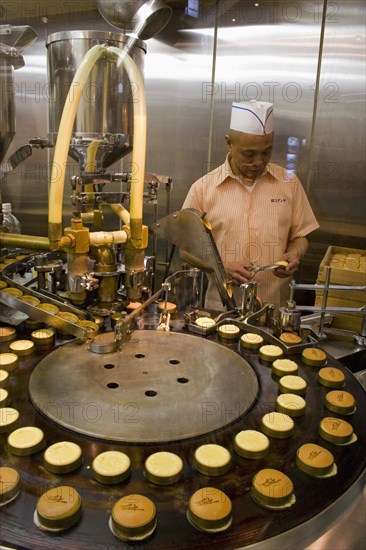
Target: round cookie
(335,430)
(91,328)
(9,484)
(26,441)
(31,300)
(228,332)
(292,384)
(290,338)
(210,510)
(272,488)
(111,467)
(22,347)
(291,404)
(314,357)
(4,397)
(58,508)
(131,306)
(340,401)
(4,378)
(167,306)
(281,367)
(331,377)
(133,518)
(205,322)
(270,352)
(282,263)
(251,444)
(212,460)
(9,361)
(277,425)
(314,459)
(9,419)
(68,316)
(251,340)
(63,457)
(7,334)
(43,338)
(49,308)
(12,291)
(163,468)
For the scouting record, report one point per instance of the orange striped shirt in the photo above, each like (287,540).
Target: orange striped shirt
(254,225)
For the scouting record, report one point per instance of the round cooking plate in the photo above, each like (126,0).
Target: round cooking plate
(161,386)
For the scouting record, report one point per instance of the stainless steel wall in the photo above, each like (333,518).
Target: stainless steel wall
(311,66)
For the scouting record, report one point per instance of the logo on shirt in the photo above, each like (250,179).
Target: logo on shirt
(278,200)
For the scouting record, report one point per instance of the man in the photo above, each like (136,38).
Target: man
(258,212)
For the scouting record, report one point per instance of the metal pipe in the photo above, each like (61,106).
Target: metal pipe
(24,241)
(316,94)
(333,309)
(329,287)
(212,98)
(324,301)
(34,242)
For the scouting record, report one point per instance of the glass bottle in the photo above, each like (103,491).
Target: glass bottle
(10,223)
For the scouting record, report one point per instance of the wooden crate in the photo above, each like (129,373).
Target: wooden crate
(344,274)
(350,321)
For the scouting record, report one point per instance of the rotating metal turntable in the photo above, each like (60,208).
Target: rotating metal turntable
(67,393)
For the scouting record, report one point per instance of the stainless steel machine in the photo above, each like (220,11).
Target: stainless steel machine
(142,377)
(13,41)
(100,134)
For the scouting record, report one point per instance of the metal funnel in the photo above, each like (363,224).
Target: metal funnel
(13,40)
(144,19)
(103,127)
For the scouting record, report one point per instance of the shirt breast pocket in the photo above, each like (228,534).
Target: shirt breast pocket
(278,224)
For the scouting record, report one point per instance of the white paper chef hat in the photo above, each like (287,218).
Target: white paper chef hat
(252,117)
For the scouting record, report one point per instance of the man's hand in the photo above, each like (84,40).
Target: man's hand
(296,249)
(293,265)
(239,273)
